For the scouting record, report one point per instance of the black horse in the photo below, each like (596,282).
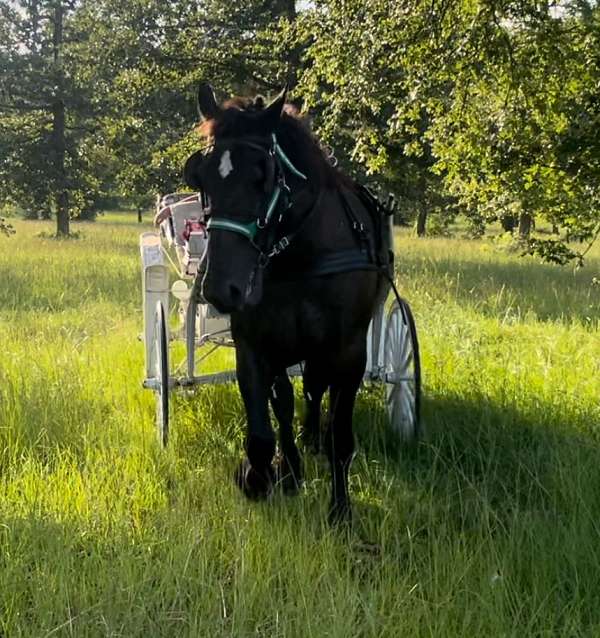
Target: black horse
(297,256)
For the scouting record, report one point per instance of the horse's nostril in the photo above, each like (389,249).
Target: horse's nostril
(226,297)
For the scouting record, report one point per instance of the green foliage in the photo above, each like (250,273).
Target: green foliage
(154,56)
(355,79)
(484,108)
(515,144)
(492,104)
(47,114)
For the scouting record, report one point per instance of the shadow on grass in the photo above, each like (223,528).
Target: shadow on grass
(499,453)
(507,457)
(500,289)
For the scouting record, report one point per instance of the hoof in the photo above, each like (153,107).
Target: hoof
(340,515)
(255,485)
(289,476)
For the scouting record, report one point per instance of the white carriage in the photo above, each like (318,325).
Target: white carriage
(392,346)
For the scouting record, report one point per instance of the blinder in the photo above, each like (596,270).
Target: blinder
(191,170)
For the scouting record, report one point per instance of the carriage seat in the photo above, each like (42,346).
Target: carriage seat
(181,218)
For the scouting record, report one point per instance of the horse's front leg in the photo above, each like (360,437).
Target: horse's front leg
(255,475)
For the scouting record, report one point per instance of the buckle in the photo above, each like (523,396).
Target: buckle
(280,246)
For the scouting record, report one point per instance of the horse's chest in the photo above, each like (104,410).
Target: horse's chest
(287,329)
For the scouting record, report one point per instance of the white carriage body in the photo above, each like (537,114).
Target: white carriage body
(155,287)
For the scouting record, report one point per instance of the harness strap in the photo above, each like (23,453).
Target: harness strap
(286,160)
(273,203)
(286,240)
(330,264)
(221,223)
(356,225)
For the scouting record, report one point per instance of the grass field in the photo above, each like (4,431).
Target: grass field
(489,527)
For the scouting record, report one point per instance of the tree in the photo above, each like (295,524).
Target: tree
(491,102)
(48,138)
(154,56)
(357,81)
(524,142)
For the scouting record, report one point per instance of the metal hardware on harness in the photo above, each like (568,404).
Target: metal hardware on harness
(280,246)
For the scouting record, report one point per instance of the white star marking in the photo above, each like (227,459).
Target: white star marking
(225,166)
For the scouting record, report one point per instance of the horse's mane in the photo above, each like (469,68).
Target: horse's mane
(239,118)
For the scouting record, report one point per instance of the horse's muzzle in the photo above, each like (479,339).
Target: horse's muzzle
(225,295)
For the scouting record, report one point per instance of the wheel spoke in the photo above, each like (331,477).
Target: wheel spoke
(391,391)
(396,417)
(407,355)
(408,406)
(411,389)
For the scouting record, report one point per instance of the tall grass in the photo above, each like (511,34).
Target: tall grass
(489,527)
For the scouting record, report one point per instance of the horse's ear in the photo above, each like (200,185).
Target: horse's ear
(207,103)
(272,114)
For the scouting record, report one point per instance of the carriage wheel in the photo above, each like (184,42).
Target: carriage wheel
(402,376)
(162,374)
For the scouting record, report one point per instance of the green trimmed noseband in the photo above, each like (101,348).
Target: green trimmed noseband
(250,229)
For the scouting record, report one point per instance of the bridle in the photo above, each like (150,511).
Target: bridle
(279,201)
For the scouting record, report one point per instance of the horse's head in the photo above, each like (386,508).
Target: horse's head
(240,176)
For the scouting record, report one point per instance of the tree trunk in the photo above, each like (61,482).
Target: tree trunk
(525,224)
(139,214)
(421,222)
(287,9)
(61,196)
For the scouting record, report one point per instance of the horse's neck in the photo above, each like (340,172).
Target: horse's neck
(317,207)
(322,223)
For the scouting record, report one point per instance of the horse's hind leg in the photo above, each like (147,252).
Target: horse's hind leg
(315,384)
(349,370)
(290,466)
